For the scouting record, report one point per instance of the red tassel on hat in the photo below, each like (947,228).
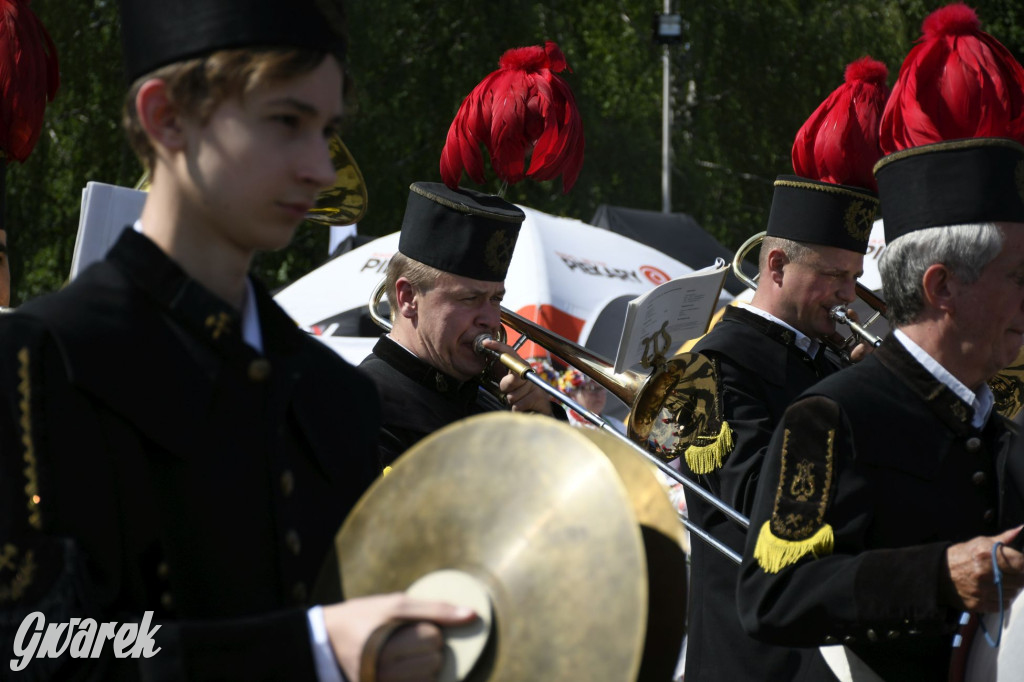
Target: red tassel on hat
(521,108)
(839,142)
(957,82)
(28,77)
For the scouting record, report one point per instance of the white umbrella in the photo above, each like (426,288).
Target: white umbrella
(566,275)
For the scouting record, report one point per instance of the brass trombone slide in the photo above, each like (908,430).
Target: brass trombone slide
(524,371)
(646,396)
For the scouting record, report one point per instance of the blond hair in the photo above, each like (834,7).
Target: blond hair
(422,277)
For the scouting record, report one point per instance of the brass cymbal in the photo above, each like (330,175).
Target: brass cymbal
(664,539)
(536,511)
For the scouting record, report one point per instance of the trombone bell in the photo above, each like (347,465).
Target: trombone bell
(344,203)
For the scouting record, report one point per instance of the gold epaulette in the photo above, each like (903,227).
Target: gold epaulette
(707,456)
(773,554)
(712,440)
(797,526)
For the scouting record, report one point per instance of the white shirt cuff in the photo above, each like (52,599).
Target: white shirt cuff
(327,668)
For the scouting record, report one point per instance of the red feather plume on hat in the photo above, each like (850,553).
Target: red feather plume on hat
(28,77)
(957,82)
(839,142)
(522,108)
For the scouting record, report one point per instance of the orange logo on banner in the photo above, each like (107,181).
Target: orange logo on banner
(654,275)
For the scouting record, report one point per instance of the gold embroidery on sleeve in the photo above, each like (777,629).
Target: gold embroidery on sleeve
(29,456)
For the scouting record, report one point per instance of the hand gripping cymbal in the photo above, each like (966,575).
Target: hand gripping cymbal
(569,534)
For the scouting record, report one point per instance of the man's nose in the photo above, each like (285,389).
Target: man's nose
(848,291)
(318,166)
(489,317)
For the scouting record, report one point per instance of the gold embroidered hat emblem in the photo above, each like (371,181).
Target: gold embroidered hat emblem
(859,219)
(498,252)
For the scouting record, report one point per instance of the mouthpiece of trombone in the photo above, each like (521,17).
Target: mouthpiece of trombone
(514,363)
(478,345)
(838,314)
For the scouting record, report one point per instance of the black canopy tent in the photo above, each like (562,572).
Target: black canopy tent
(675,234)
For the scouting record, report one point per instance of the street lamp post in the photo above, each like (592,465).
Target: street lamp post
(668,29)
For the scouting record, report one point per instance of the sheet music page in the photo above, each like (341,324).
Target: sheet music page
(106,210)
(659,321)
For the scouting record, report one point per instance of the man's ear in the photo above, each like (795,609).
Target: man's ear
(939,287)
(777,260)
(405,295)
(158,115)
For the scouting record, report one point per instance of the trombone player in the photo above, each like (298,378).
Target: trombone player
(768,352)
(445,286)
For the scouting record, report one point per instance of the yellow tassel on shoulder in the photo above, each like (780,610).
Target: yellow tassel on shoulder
(703,459)
(774,554)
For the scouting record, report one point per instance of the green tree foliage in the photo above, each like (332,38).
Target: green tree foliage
(746,76)
(81,141)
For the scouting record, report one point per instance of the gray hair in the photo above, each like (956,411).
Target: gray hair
(964,249)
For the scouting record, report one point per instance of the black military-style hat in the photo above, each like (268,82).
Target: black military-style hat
(824,213)
(156,34)
(460,231)
(952,130)
(976,180)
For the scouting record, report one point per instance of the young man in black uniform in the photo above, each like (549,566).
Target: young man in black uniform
(768,352)
(445,286)
(887,486)
(170,443)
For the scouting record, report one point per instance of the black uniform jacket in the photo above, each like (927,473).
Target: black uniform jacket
(416,398)
(760,372)
(870,477)
(150,460)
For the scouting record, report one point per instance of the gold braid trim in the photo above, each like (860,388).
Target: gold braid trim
(31,477)
(773,554)
(954,145)
(462,208)
(24,572)
(707,457)
(829,188)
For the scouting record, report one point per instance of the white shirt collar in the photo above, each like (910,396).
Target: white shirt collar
(803,342)
(251,332)
(981,401)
